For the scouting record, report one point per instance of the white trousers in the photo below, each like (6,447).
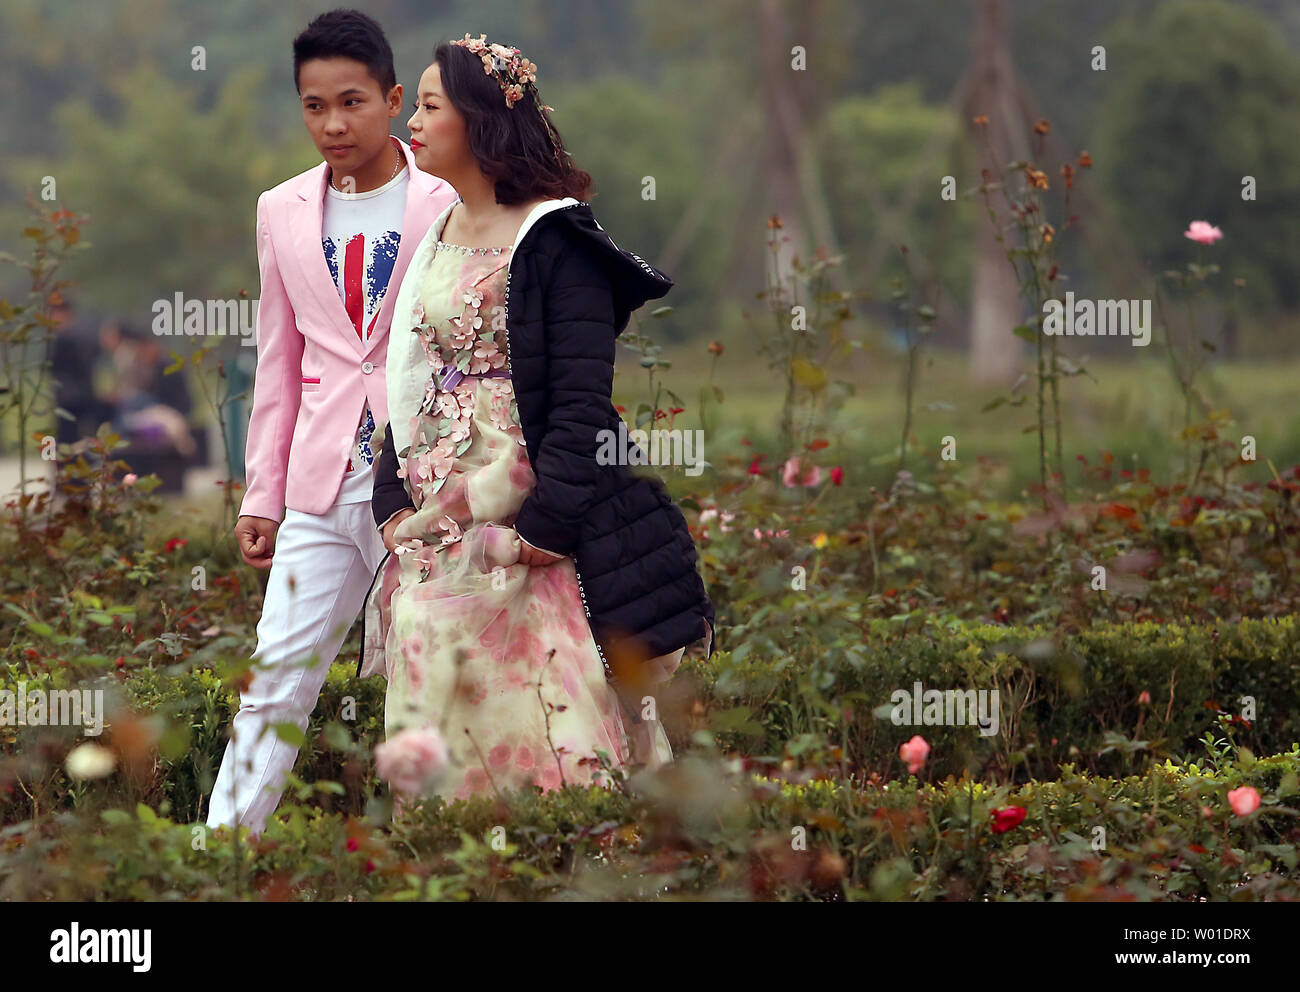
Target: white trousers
(320,572)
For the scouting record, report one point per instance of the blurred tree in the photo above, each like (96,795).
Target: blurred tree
(171,190)
(884,156)
(990,91)
(1203,93)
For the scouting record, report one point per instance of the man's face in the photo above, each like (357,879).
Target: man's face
(345,112)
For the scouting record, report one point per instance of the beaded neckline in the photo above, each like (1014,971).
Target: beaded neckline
(470,251)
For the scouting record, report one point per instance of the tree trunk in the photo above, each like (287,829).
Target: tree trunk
(995,294)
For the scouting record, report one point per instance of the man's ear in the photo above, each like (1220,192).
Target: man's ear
(395,100)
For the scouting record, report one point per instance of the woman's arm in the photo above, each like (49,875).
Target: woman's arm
(578,318)
(389,495)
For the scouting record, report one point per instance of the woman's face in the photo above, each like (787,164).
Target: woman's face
(437,129)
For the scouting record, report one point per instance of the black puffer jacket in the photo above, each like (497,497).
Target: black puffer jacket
(569,294)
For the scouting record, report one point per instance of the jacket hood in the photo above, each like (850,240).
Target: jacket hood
(634,280)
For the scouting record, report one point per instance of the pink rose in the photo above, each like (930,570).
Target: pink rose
(914,753)
(1203,232)
(1243,801)
(411,758)
(130,479)
(792,475)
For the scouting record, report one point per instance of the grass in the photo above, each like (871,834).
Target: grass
(1134,409)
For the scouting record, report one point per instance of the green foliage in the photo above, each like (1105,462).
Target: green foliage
(1113,698)
(1167,835)
(883,156)
(155,172)
(1201,94)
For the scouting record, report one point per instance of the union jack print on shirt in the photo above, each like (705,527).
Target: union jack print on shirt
(367,269)
(366,272)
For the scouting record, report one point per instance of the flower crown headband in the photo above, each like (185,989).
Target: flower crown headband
(513,72)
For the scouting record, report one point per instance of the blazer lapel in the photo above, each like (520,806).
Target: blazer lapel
(305,220)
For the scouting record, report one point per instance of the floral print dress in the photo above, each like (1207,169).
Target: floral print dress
(496,655)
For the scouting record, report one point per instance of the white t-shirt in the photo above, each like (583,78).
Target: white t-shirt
(360,235)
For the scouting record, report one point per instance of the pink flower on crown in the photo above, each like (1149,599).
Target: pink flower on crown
(418,312)
(475,45)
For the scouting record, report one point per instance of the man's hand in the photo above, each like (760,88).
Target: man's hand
(534,556)
(256,537)
(390,528)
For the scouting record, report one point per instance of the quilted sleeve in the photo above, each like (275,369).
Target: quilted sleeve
(578,324)
(389,495)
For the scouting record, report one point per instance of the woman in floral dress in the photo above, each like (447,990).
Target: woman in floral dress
(491,640)
(472,631)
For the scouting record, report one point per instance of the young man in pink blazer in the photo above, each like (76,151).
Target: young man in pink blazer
(332,247)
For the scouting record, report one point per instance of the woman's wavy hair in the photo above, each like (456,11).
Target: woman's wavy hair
(510,144)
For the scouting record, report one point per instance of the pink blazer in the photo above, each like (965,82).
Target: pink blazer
(314,375)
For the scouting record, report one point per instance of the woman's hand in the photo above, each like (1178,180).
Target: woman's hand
(535,556)
(390,528)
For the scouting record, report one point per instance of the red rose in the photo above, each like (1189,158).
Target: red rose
(1008,818)
(353,844)
(837,476)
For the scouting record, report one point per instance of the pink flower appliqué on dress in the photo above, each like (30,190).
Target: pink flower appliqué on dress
(486,622)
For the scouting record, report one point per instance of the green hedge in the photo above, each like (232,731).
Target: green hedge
(1063,698)
(703,828)
(1073,700)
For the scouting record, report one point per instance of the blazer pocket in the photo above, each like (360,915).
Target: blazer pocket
(310,383)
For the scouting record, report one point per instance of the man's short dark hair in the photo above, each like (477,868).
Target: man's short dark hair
(347,34)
